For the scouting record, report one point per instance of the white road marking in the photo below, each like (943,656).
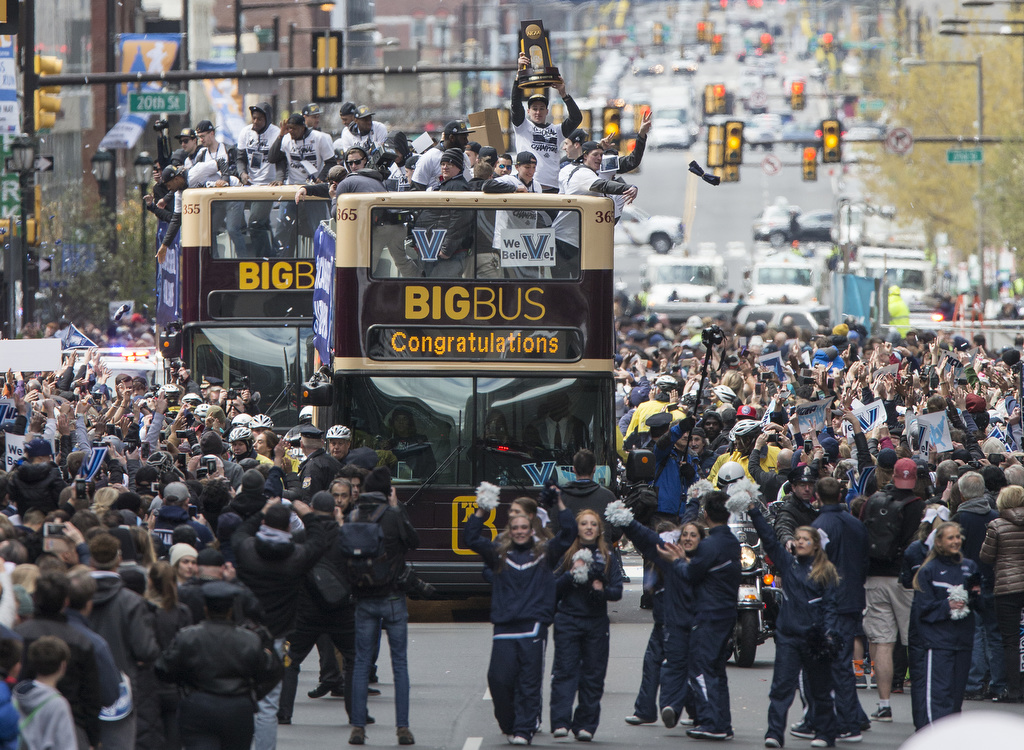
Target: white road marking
(487,697)
(635,572)
(473,743)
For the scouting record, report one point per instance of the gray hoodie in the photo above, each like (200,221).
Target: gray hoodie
(47,723)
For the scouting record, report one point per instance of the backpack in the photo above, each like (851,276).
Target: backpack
(642,498)
(361,545)
(330,588)
(883,518)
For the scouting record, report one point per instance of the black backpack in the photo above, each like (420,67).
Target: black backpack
(364,557)
(883,518)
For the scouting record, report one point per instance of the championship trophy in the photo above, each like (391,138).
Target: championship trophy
(533,42)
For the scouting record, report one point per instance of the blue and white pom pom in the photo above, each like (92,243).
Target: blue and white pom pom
(617,514)
(487,496)
(699,488)
(582,573)
(959,594)
(741,494)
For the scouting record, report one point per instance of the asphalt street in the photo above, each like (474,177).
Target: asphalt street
(451,708)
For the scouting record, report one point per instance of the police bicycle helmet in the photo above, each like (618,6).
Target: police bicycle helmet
(744,427)
(261,422)
(731,472)
(339,432)
(242,433)
(240,420)
(202,411)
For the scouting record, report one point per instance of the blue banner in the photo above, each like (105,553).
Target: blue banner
(72,338)
(140,53)
(857,294)
(224,100)
(323,294)
(168,280)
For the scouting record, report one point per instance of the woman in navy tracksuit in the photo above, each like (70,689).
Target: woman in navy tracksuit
(676,621)
(522,607)
(582,629)
(808,613)
(939,668)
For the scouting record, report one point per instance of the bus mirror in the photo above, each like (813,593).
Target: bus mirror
(317,393)
(639,466)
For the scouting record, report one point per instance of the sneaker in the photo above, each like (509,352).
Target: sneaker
(1005,697)
(687,722)
(283,721)
(975,695)
(702,733)
(358,736)
(519,740)
(668,716)
(802,731)
(321,690)
(819,742)
(636,720)
(371,691)
(772,742)
(849,737)
(405,736)
(584,736)
(882,714)
(865,725)
(897,687)
(560,732)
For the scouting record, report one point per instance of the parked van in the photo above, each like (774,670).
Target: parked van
(687,279)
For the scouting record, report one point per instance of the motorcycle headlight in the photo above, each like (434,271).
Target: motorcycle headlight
(748,558)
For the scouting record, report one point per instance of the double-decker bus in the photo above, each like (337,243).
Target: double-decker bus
(247,290)
(472,341)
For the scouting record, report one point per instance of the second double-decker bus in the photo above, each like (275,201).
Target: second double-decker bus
(246,270)
(472,341)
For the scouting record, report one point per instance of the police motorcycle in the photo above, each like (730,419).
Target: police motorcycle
(759,593)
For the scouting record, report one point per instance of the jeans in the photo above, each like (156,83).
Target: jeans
(987,655)
(646,705)
(338,628)
(371,614)
(266,712)
(1011,627)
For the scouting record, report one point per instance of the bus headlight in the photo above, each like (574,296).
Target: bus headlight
(748,558)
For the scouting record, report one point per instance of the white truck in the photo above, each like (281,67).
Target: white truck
(673,111)
(906,267)
(783,279)
(682,279)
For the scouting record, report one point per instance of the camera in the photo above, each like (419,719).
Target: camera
(81,489)
(772,439)
(712,336)
(548,496)
(53,529)
(765,377)
(232,394)
(161,125)
(210,462)
(182,434)
(808,446)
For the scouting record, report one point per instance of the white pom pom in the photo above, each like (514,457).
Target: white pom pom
(745,486)
(737,504)
(487,496)
(700,488)
(582,573)
(959,594)
(617,514)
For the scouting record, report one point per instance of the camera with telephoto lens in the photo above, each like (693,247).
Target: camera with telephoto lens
(712,336)
(161,125)
(409,582)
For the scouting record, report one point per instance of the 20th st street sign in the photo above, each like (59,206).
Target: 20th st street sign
(964,156)
(158,102)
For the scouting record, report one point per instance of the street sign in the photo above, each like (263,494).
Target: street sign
(871,105)
(44,163)
(965,155)
(158,102)
(771,165)
(758,98)
(899,141)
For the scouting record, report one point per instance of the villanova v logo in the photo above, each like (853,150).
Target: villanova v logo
(535,244)
(429,248)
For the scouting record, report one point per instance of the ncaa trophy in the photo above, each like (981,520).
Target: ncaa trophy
(533,42)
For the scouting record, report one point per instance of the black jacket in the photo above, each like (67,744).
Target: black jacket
(586,494)
(36,487)
(219,658)
(126,623)
(81,683)
(274,570)
(317,472)
(247,606)
(399,537)
(792,514)
(459,225)
(770,482)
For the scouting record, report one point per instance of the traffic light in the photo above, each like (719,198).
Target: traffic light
(328,52)
(718,92)
(716,44)
(733,142)
(766,43)
(702,31)
(729,173)
(716,139)
(826,41)
(47,102)
(810,164)
(831,142)
(658,34)
(611,118)
(796,95)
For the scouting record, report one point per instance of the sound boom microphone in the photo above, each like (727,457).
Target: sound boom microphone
(120,312)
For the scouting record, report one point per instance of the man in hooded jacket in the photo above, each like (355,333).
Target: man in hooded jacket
(36,483)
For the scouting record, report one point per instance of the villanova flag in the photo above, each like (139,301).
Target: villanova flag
(72,338)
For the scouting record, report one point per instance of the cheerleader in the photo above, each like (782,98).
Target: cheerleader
(591,577)
(944,629)
(522,607)
(804,633)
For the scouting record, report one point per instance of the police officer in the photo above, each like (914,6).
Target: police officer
(319,467)
(218,664)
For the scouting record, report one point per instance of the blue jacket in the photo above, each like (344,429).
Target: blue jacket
(847,548)
(583,600)
(169,517)
(714,572)
(806,605)
(930,612)
(677,606)
(671,487)
(9,718)
(523,584)
(973,517)
(913,557)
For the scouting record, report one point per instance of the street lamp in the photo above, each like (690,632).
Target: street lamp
(23,158)
(977,62)
(103,170)
(143,171)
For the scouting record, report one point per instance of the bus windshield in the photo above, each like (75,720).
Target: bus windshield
(271,361)
(788,275)
(908,278)
(498,429)
(265,228)
(699,275)
(474,243)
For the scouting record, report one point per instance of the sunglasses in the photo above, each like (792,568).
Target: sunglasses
(357,161)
